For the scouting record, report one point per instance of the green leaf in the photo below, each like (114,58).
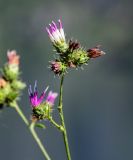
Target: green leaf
(40,125)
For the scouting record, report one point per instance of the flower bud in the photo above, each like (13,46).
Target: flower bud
(10,72)
(73,45)
(11,97)
(18,85)
(13,58)
(11,69)
(95,52)
(58,67)
(77,58)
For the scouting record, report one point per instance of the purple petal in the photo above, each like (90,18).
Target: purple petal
(42,95)
(50,28)
(48,31)
(29,92)
(60,24)
(30,89)
(51,97)
(41,98)
(33,102)
(35,86)
(53,29)
(54,24)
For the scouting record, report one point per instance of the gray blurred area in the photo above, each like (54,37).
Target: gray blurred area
(98,101)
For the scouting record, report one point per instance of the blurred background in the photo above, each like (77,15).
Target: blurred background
(98,101)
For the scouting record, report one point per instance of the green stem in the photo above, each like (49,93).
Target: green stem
(32,130)
(55,124)
(60,108)
(19,111)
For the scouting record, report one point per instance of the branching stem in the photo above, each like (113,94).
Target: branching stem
(32,130)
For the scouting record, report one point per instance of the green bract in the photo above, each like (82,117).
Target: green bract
(42,111)
(78,57)
(10,72)
(61,47)
(18,85)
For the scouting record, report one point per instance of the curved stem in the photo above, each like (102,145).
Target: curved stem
(60,108)
(31,128)
(55,124)
(34,134)
(19,111)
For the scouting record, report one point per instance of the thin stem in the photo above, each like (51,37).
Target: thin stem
(55,124)
(19,111)
(60,108)
(31,128)
(34,134)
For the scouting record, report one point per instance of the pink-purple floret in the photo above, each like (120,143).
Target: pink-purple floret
(36,101)
(53,27)
(51,98)
(55,67)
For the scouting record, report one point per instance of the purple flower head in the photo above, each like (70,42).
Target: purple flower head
(51,98)
(33,96)
(56,33)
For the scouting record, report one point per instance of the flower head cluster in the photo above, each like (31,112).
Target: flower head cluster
(10,84)
(41,109)
(71,54)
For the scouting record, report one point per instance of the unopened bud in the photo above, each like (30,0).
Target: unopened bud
(73,45)
(13,58)
(58,67)
(95,52)
(78,57)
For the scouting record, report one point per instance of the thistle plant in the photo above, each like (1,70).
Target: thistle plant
(69,54)
(10,91)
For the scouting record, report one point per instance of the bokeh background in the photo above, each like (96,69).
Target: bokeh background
(98,101)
